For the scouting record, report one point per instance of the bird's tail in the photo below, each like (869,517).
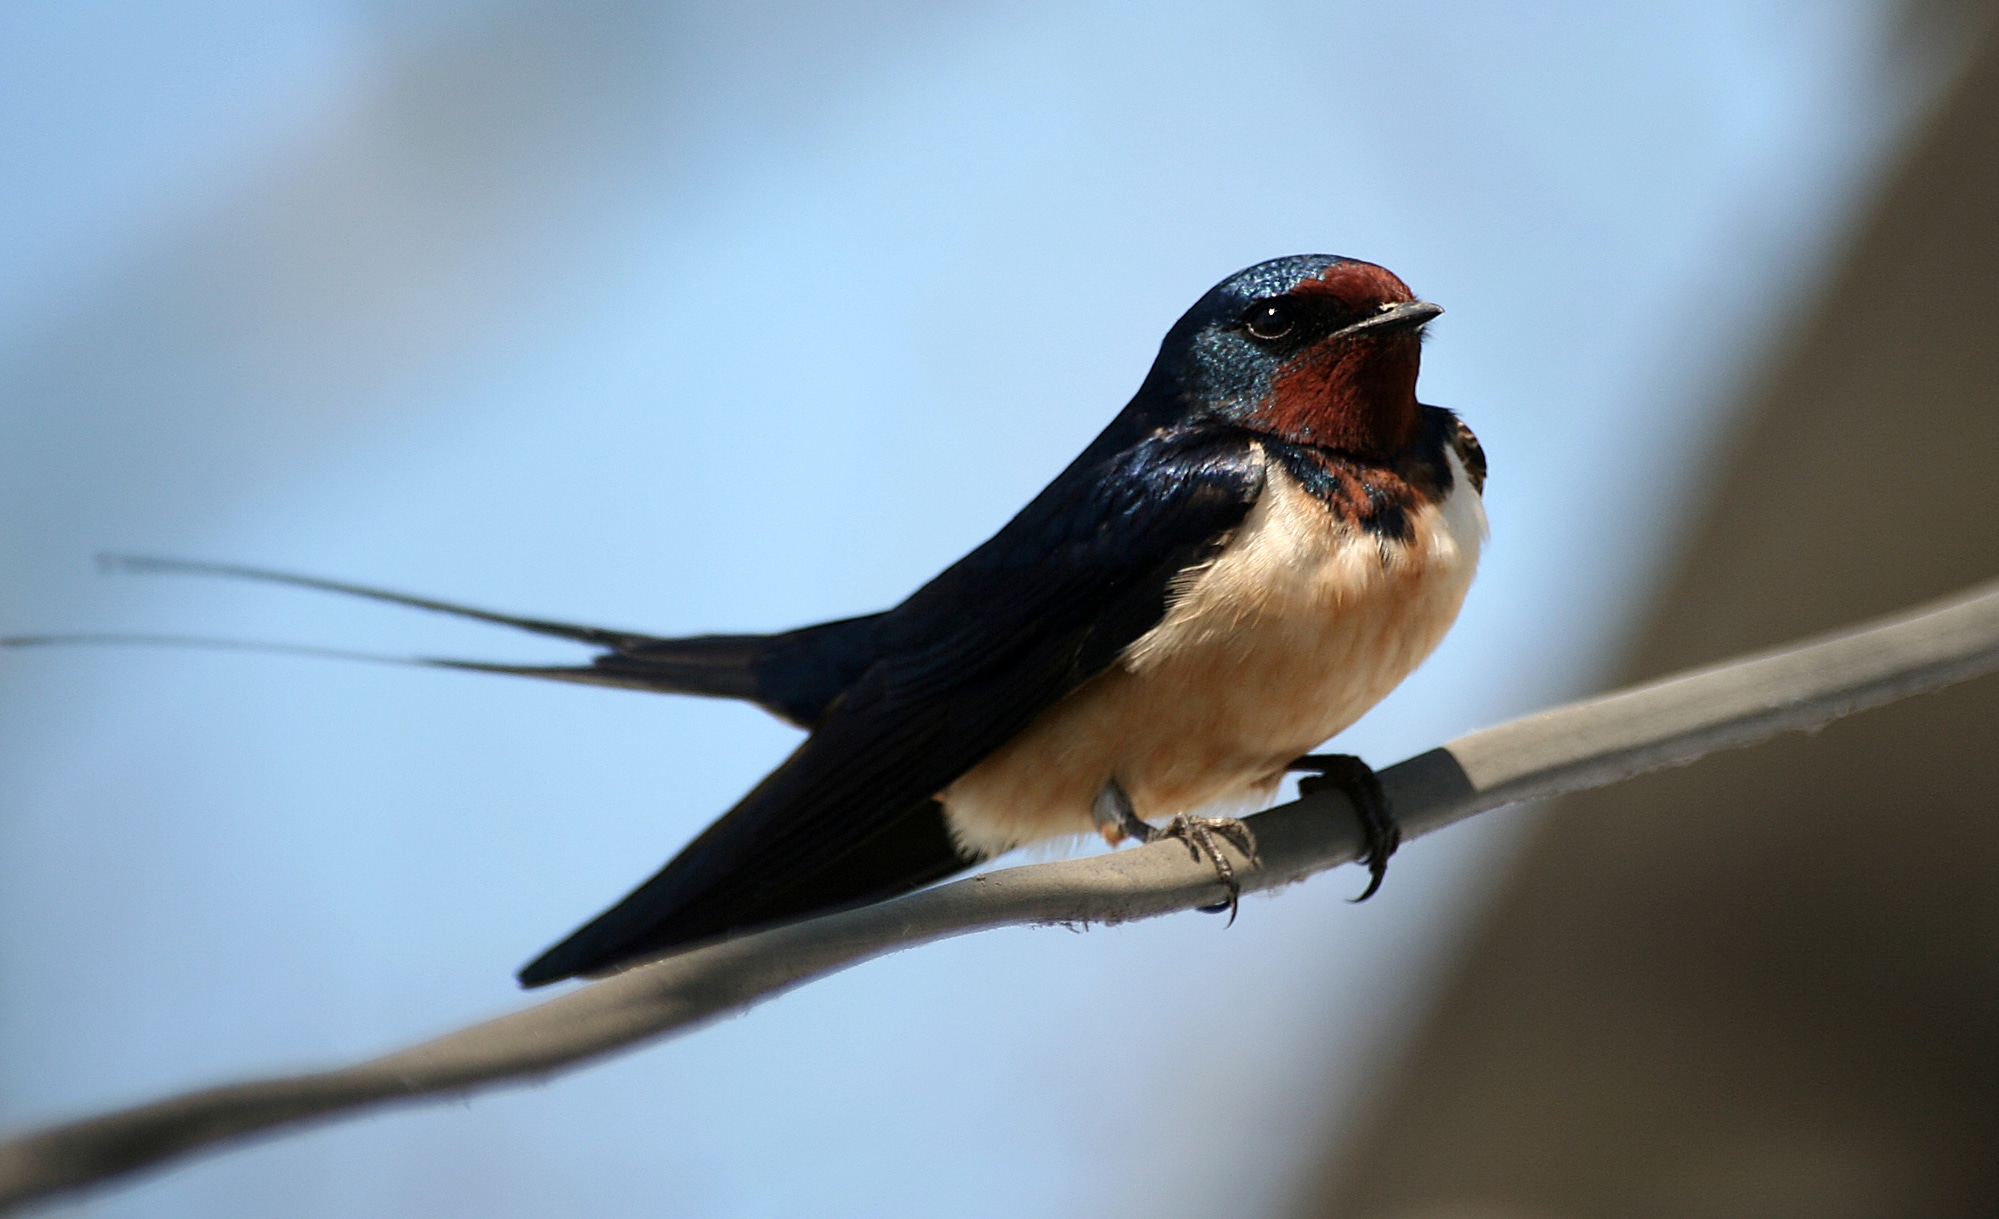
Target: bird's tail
(794,674)
(594,636)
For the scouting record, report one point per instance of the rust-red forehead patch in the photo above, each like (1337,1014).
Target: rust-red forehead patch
(1358,284)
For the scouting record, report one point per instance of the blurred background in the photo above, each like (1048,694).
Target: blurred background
(691,317)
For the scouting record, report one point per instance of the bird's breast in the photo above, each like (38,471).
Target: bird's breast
(1302,622)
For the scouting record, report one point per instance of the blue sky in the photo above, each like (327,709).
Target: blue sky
(731,317)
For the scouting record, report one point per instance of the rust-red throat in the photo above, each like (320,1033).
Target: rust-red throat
(1356,394)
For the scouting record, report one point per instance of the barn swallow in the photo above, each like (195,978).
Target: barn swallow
(1267,539)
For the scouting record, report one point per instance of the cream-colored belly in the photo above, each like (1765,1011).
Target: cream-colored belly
(1299,626)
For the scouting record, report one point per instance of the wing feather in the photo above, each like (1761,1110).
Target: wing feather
(961,667)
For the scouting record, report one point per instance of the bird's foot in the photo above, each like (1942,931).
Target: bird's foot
(1117,820)
(1201,834)
(1380,834)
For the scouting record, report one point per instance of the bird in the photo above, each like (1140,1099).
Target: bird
(1264,542)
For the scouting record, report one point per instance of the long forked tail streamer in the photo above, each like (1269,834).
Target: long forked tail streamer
(152,565)
(581,674)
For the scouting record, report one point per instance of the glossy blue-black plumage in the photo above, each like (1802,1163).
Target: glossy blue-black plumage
(902,703)
(950,675)
(1207,371)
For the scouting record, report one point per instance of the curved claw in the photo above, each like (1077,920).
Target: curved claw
(1200,833)
(1118,820)
(1377,867)
(1380,834)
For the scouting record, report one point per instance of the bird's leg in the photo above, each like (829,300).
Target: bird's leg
(1118,820)
(1380,835)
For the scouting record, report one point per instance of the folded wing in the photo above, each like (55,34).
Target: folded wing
(958,669)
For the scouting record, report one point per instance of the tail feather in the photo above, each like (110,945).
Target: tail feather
(797,675)
(721,666)
(794,675)
(96,639)
(589,675)
(596,636)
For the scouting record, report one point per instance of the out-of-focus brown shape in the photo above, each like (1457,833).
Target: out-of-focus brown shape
(1767,985)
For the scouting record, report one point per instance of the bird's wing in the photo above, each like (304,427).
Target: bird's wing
(963,666)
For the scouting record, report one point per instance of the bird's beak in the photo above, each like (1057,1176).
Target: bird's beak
(1393,319)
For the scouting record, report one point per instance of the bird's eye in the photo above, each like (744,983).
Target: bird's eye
(1268,321)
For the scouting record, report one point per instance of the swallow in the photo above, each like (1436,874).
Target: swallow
(1266,540)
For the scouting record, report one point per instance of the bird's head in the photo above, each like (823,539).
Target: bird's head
(1316,349)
